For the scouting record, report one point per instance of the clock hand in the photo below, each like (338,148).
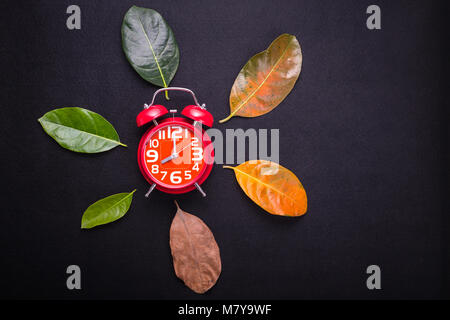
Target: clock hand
(174,155)
(174,145)
(174,152)
(184,147)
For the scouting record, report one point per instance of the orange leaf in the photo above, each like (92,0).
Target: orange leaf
(266,79)
(271,186)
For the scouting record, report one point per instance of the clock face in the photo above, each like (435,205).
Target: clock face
(173,156)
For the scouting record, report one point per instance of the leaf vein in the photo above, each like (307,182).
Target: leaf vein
(81,131)
(262,83)
(153,52)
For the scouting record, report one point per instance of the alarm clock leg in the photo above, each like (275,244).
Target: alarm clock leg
(150,190)
(200,189)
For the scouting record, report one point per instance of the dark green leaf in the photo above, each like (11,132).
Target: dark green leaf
(80,130)
(107,210)
(150,46)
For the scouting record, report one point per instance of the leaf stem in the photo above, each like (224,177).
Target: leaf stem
(226,119)
(228,167)
(176,203)
(167,95)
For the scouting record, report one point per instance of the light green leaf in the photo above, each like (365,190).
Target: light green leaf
(107,210)
(80,130)
(150,46)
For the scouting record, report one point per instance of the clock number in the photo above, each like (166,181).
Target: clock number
(164,173)
(195,167)
(155,168)
(187,175)
(152,154)
(197,152)
(176,134)
(175,178)
(194,141)
(161,134)
(154,143)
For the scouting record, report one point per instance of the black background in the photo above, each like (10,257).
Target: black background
(364,129)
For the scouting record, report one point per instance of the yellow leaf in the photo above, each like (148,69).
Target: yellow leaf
(271,186)
(266,79)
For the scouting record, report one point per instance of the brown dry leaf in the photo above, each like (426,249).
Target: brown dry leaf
(266,79)
(271,186)
(196,255)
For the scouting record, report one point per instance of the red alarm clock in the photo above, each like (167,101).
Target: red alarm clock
(175,154)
